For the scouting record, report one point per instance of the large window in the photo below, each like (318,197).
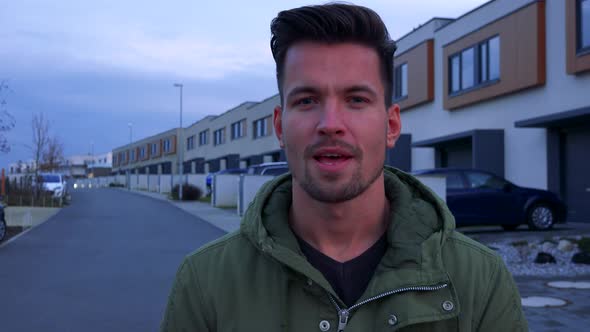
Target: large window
(475,66)
(190,142)
(583,25)
(261,127)
(204,137)
(219,136)
(238,129)
(401,81)
(154,149)
(167,145)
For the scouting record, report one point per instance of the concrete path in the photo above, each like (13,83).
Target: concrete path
(104,263)
(227,220)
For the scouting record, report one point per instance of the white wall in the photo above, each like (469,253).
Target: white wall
(250,186)
(224,190)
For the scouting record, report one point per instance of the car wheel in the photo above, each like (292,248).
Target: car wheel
(2,230)
(510,227)
(541,217)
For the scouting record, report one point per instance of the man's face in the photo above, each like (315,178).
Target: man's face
(334,126)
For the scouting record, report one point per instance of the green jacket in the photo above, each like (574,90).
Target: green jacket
(430,279)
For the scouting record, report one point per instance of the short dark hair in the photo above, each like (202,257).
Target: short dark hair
(333,23)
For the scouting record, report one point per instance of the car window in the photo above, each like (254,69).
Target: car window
(484,180)
(274,171)
(455,181)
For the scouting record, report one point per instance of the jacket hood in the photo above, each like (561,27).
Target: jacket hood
(420,223)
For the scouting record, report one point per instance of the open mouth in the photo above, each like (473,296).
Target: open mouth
(331,158)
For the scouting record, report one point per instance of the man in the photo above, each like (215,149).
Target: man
(341,244)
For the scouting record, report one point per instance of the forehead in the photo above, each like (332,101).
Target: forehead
(333,64)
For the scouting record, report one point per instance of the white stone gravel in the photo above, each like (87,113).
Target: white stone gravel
(520,259)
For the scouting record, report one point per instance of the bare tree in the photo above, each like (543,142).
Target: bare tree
(53,154)
(6,120)
(40,127)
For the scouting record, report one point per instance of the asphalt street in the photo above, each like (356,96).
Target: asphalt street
(104,263)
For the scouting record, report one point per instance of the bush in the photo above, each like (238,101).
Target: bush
(116,185)
(189,192)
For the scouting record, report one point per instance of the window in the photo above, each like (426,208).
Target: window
(401,81)
(204,137)
(190,142)
(483,180)
(583,25)
(132,156)
(141,153)
(454,181)
(167,145)
(261,127)
(475,66)
(219,136)
(238,129)
(154,151)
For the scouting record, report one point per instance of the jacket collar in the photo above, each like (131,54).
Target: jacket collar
(420,224)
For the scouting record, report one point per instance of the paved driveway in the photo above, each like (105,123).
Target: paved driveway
(104,263)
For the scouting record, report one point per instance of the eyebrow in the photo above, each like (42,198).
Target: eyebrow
(300,90)
(361,88)
(352,89)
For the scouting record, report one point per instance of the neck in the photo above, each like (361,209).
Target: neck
(341,231)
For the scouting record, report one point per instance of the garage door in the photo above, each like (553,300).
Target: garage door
(577,173)
(458,154)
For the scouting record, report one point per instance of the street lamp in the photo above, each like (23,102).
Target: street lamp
(130,125)
(180,145)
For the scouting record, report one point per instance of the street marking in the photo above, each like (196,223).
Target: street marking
(570,284)
(542,302)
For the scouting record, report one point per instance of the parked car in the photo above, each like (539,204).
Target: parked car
(477,197)
(55,184)
(273,168)
(2,223)
(209,177)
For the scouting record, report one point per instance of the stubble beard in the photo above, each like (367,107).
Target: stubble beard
(325,190)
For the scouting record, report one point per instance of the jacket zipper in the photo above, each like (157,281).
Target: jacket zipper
(344,314)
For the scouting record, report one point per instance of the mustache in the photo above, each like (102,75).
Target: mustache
(311,150)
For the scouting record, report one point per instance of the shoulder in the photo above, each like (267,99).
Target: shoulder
(228,249)
(462,254)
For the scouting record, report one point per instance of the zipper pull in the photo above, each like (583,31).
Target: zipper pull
(342,319)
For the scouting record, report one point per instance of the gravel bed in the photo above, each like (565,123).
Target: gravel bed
(520,259)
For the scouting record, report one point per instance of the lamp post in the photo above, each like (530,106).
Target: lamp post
(180,146)
(130,125)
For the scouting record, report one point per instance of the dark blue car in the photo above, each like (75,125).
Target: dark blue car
(481,198)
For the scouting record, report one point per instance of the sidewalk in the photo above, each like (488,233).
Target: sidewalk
(26,216)
(226,220)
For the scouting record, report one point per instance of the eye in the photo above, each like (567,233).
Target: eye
(357,100)
(304,103)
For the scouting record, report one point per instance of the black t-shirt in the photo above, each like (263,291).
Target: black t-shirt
(349,279)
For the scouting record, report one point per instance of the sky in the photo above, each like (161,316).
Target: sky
(94,67)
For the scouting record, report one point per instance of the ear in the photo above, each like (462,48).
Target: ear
(394,125)
(277,122)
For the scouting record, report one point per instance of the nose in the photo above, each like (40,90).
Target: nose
(331,120)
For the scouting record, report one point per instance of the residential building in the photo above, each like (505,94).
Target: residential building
(503,88)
